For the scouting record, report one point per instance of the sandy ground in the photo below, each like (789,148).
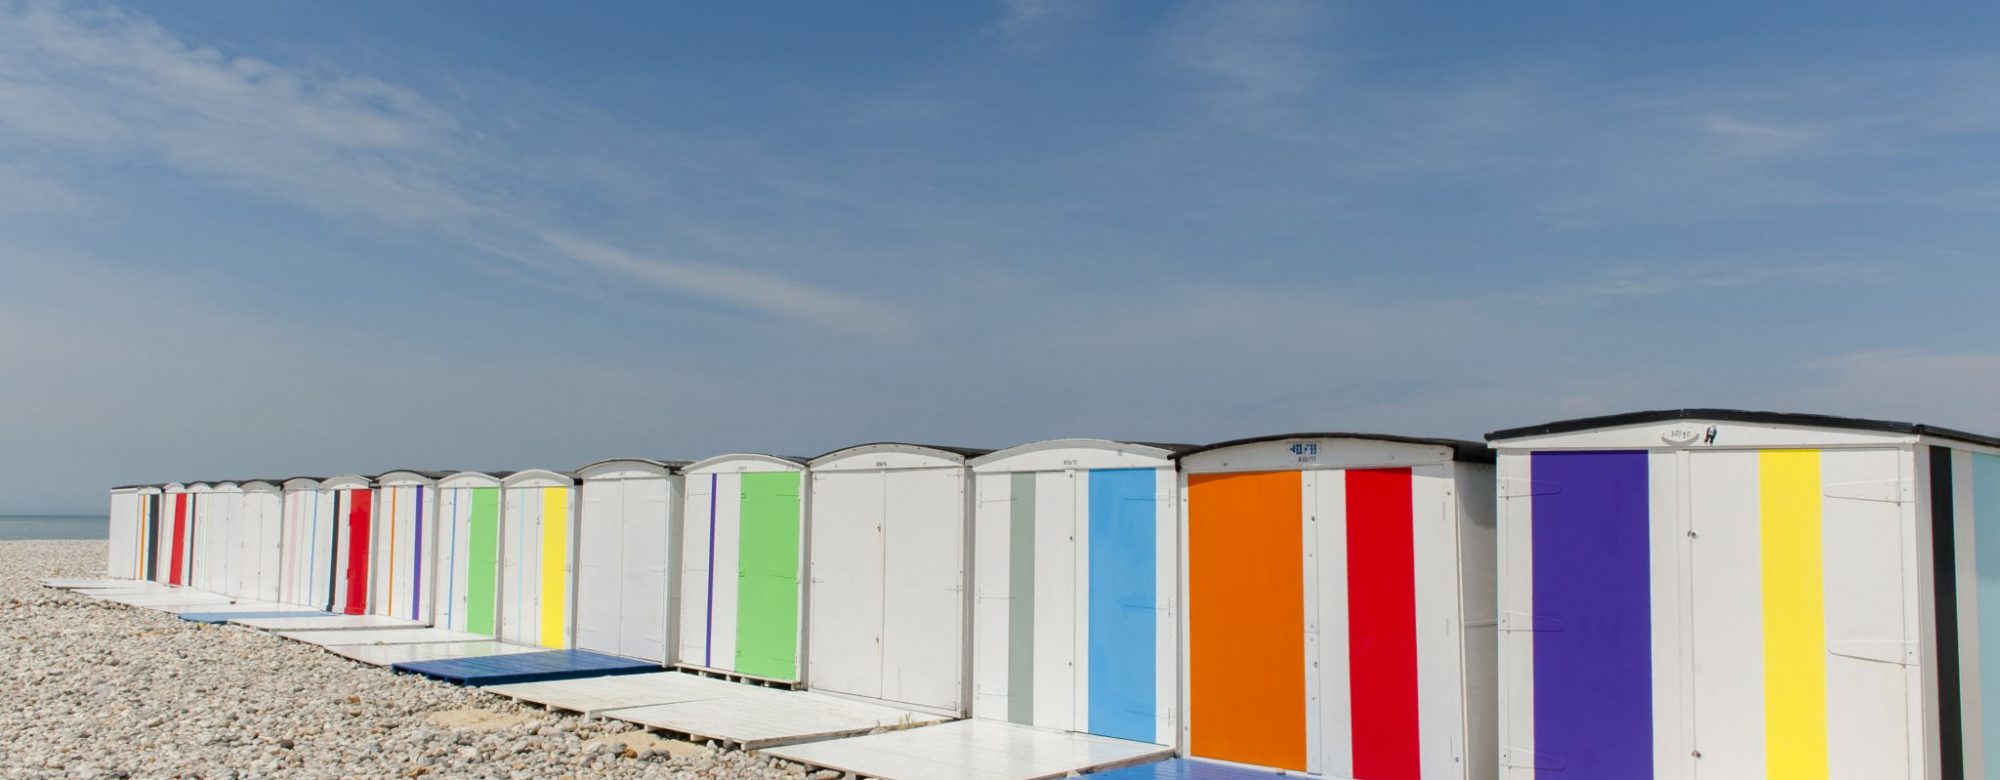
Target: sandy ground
(103,690)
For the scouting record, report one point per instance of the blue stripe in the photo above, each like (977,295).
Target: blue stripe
(1123,603)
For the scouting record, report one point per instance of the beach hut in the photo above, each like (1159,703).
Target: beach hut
(221,525)
(127,535)
(742,553)
(1720,593)
(889,589)
(260,518)
(624,544)
(1075,555)
(305,545)
(467,563)
(404,537)
(206,537)
(537,558)
(353,498)
(170,555)
(1339,605)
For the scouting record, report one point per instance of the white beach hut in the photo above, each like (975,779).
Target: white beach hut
(624,538)
(132,508)
(1720,593)
(305,544)
(1339,605)
(405,541)
(259,520)
(889,557)
(742,574)
(538,558)
(353,498)
(467,562)
(1076,558)
(208,536)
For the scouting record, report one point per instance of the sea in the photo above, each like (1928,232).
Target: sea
(20,527)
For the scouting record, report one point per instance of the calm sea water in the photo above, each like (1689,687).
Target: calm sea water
(54,527)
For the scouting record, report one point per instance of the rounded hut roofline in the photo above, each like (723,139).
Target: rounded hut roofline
(1800,419)
(792,460)
(1469,451)
(673,466)
(432,475)
(960,453)
(1159,449)
(527,474)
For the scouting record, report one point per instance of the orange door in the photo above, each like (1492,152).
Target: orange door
(1246,619)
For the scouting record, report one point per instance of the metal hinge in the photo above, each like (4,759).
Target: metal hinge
(1522,621)
(1523,488)
(1888,491)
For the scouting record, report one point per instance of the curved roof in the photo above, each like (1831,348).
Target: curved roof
(528,474)
(1460,449)
(793,460)
(672,466)
(139,487)
(425,473)
(1157,450)
(962,453)
(1742,416)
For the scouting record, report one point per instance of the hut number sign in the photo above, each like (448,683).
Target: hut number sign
(1306,452)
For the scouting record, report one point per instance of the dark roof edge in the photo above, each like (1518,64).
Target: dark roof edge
(964,452)
(1469,451)
(1742,416)
(672,466)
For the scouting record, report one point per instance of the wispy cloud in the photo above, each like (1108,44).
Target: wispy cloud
(118,86)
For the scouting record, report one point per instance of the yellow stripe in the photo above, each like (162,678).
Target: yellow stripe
(555,551)
(1794,616)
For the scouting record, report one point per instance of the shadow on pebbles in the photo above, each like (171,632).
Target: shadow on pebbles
(103,690)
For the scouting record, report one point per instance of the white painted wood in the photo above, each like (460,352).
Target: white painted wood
(696,519)
(643,623)
(1056,609)
(1315,453)
(520,565)
(1315,672)
(1867,590)
(1516,652)
(728,549)
(123,541)
(1441,689)
(1330,724)
(924,585)
(992,615)
(1671,585)
(972,750)
(237,606)
(1166,587)
(1071,454)
(1727,667)
(1676,434)
(847,583)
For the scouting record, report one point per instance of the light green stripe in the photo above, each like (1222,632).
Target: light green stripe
(482,571)
(767,590)
(1021,607)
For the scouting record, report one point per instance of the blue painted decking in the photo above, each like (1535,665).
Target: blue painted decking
(527,667)
(224,617)
(1183,769)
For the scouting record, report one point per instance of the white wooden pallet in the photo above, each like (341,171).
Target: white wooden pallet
(380,636)
(971,750)
(384,655)
(325,622)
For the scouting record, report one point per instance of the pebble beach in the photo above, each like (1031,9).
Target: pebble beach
(105,690)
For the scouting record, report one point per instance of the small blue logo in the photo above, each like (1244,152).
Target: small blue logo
(1304,448)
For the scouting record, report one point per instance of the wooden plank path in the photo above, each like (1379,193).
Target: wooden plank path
(974,750)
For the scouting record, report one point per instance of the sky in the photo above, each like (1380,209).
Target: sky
(245,239)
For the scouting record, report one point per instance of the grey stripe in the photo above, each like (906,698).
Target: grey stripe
(1021,609)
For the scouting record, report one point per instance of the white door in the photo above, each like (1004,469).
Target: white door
(1055,601)
(848,582)
(600,534)
(1870,667)
(697,517)
(520,566)
(643,608)
(1725,575)
(923,587)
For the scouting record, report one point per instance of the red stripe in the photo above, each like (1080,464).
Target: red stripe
(180,535)
(1382,630)
(357,551)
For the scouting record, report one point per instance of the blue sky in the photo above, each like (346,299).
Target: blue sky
(255,239)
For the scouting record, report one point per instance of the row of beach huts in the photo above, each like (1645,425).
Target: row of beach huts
(1674,594)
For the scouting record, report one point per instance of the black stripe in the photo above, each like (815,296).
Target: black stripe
(1944,566)
(152,538)
(333,553)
